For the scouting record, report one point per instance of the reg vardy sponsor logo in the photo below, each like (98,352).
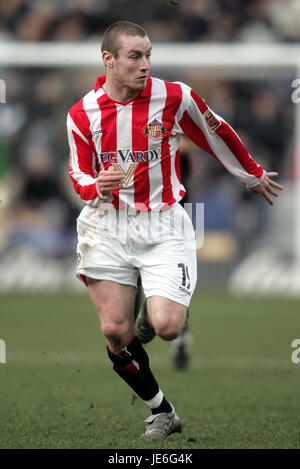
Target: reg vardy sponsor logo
(129,156)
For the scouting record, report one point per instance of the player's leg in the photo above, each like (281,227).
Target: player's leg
(160,310)
(181,346)
(105,259)
(115,303)
(169,275)
(166,316)
(181,349)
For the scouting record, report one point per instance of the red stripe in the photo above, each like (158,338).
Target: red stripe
(86,192)
(85,155)
(200,102)
(125,357)
(177,166)
(195,134)
(132,368)
(109,133)
(140,114)
(83,278)
(100,81)
(173,101)
(178,174)
(236,146)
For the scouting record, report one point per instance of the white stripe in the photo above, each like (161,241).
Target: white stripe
(93,112)
(156,108)
(175,141)
(124,142)
(89,104)
(73,149)
(186,97)
(176,186)
(82,178)
(72,126)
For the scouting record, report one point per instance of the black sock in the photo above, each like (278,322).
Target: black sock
(132,365)
(163,407)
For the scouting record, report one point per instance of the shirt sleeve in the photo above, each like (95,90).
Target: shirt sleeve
(81,163)
(212,133)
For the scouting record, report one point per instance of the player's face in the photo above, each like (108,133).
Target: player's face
(131,68)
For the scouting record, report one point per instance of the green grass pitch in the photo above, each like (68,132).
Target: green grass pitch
(58,390)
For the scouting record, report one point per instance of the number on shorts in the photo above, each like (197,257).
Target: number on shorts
(185,275)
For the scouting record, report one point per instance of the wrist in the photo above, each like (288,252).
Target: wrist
(258,181)
(100,195)
(262,177)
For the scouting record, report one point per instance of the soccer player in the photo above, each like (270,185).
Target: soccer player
(125,165)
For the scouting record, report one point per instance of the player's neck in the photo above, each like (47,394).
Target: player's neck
(120,94)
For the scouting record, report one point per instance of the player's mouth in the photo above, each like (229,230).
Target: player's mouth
(142,77)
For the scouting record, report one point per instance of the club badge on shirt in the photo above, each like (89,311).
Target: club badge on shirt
(155,129)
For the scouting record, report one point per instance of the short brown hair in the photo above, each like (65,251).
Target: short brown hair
(110,39)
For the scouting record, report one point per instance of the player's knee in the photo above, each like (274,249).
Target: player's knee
(168,329)
(115,331)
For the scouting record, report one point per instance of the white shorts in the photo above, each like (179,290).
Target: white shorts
(161,247)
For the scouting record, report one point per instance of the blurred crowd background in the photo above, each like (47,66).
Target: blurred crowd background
(38,206)
(192,20)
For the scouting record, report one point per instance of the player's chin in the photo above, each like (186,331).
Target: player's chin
(140,84)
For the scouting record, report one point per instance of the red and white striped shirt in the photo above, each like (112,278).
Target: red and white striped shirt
(141,137)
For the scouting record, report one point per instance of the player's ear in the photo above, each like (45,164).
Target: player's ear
(107,58)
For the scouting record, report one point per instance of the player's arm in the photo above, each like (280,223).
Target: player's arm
(212,133)
(93,188)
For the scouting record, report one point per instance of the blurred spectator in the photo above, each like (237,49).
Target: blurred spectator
(199,20)
(285,16)
(35,25)
(41,216)
(195,18)
(40,183)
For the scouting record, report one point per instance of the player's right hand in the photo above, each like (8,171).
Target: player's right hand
(110,180)
(267,187)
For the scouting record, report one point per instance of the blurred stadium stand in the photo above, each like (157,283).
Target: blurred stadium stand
(38,205)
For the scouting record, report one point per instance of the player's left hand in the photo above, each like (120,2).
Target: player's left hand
(266,187)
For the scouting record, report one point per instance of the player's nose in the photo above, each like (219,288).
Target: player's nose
(145,66)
